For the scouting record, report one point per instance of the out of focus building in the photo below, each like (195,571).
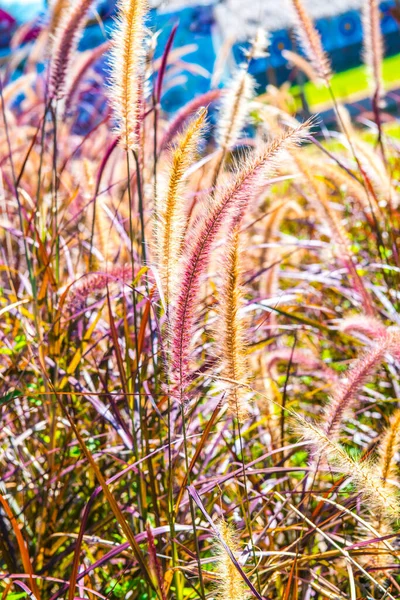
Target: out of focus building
(207,27)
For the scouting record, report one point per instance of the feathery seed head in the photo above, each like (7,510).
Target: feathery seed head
(65,43)
(186,112)
(373,43)
(302,64)
(320,197)
(231,332)
(92,283)
(258,45)
(234,108)
(57,9)
(389,446)
(299,357)
(362,369)
(172,212)
(311,42)
(230,585)
(72,83)
(344,181)
(381,499)
(127,64)
(369,326)
(228,207)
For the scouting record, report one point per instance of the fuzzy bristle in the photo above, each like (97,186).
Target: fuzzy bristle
(91,283)
(230,583)
(229,207)
(311,42)
(320,197)
(65,43)
(231,334)
(172,214)
(258,45)
(235,108)
(373,43)
(72,83)
(369,326)
(127,61)
(352,187)
(389,446)
(188,111)
(346,392)
(296,357)
(58,8)
(302,64)
(382,500)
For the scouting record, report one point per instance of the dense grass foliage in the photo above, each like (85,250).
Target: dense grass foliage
(200,328)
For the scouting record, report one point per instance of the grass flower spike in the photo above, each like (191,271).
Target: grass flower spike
(361,371)
(230,583)
(373,43)
(383,500)
(235,108)
(178,281)
(368,326)
(388,447)
(65,43)
(231,333)
(173,220)
(57,9)
(301,64)
(228,207)
(127,61)
(311,42)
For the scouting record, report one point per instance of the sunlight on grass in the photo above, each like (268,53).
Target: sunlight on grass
(199,332)
(353,82)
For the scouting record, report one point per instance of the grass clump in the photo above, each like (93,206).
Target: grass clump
(200,348)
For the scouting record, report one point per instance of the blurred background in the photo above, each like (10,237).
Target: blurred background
(214,34)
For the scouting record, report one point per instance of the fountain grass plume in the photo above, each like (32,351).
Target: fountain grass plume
(345,394)
(185,113)
(57,9)
(368,326)
(230,584)
(301,64)
(65,43)
(383,500)
(230,333)
(351,187)
(227,207)
(78,291)
(127,62)
(238,94)
(234,108)
(373,43)
(388,448)
(339,233)
(262,266)
(172,213)
(311,42)
(72,84)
